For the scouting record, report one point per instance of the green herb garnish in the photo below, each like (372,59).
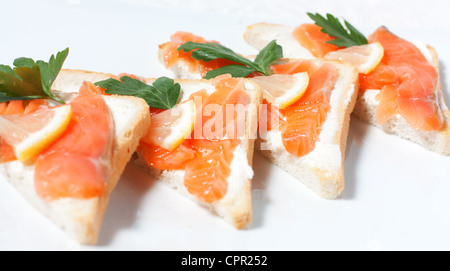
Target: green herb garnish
(345,36)
(210,51)
(162,94)
(30,80)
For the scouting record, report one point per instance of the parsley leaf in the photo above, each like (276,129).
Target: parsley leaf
(345,36)
(50,70)
(24,62)
(29,79)
(234,70)
(162,94)
(210,51)
(5,98)
(267,55)
(7,69)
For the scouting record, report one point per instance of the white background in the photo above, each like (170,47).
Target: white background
(396,195)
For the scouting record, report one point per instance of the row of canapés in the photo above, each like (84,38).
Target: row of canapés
(198,135)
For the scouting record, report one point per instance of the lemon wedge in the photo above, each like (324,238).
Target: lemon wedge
(30,134)
(282,90)
(365,58)
(170,128)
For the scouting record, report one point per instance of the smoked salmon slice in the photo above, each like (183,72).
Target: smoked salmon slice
(76,165)
(206,175)
(163,159)
(314,40)
(303,120)
(407,82)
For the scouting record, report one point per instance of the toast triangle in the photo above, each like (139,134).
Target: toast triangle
(236,205)
(81,219)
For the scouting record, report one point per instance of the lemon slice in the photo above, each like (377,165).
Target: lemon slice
(170,128)
(365,58)
(30,134)
(282,90)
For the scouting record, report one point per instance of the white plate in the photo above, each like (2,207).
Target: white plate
(396,194)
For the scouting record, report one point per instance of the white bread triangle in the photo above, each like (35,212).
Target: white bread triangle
(323,169)
(437,141)
(236,206)
(81,219)
(260,34)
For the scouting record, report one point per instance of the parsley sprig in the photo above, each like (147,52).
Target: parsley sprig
(210,51)
(162,94)
(345,36)
(30,79)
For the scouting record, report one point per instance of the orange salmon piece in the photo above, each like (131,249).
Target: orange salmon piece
(76,165)
(227,98)
(6,152)
(408,79)
(163,159)
(206,175)
(303,119)
(15,107)
(90,87)
(66,175)
(314,40)
(33,105)
(270,116)
(172,55)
